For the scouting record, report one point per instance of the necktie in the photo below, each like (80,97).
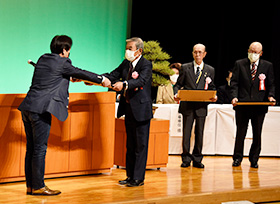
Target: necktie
(130,71)
(253,71)
(197,75)
(128,77)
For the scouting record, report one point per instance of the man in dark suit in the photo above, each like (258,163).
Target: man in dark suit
(134,77)
(48,95)
(195,75)
(252,81)
(223,92)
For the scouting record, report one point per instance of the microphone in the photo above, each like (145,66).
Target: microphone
(31,62)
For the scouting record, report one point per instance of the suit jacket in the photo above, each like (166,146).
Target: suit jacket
(49,88)
(186,81)
(139,90)
(223,93)
(242,86)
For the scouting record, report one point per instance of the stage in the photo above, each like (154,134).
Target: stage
(218,182)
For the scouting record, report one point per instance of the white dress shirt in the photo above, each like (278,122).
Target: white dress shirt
(196,65)
(256,64)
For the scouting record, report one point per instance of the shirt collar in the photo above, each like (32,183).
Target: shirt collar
(196,65)
(134,63)
(256,62)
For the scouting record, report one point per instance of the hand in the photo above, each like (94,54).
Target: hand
(214,99)
(72,79)
(234,101)
(118,86)
(271,99)
(106,82)
(176,97)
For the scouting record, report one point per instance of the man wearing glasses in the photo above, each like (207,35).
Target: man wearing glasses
(195,75)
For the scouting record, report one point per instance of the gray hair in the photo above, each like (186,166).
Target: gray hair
(138,42)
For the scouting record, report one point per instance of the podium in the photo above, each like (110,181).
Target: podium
(83,144)
(157,148)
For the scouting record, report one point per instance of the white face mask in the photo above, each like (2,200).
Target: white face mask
(174,77)
(129,55)
(253,57)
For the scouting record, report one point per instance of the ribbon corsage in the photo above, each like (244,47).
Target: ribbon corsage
(208,80)
(262,84)
(134,75)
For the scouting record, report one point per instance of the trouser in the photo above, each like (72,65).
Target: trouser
(136,145)
(188,121)
(243,115)
(37,129)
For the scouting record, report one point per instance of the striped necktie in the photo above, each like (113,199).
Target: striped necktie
(253,71)
(197,75)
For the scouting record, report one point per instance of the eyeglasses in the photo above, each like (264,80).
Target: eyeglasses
(198,52)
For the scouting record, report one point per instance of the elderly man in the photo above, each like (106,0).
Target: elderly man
(252,81)
(194,76)
(134,78)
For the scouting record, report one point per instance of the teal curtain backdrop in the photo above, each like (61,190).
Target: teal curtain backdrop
(98,29)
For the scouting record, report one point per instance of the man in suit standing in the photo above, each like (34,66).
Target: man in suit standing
(134,78)
(48,95)
(252,81)
(223,92)
(195,75)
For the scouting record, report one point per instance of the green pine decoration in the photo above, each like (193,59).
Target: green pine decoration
(161,70)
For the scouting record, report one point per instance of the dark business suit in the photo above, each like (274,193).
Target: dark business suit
(245,90)
(223,93)
(193,110)
(137,108)
(47,95)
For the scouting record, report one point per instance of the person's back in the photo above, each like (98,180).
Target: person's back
(48,83)
(47,96)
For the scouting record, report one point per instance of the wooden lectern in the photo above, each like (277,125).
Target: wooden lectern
(158,143)
(83,144)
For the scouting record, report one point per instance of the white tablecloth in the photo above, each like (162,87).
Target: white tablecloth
(220,130)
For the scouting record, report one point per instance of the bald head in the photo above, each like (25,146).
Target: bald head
(255,47)
(199,53)
(199,46)
(254,52)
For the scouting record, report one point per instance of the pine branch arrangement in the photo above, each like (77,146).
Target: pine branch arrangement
(161,69)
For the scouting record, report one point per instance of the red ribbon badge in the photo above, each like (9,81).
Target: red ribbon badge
(207,81)
(262,84)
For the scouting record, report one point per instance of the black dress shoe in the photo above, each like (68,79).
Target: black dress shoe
(198,165)
(254,165)
(126,181)
(236,162)
(134,183)
(185,164)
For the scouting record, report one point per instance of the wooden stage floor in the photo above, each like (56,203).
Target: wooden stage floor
(218,182)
